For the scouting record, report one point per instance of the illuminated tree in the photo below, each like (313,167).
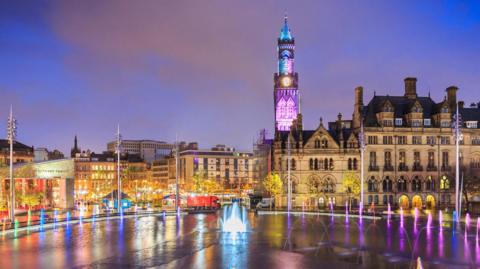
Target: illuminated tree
(351,185)
(273,185)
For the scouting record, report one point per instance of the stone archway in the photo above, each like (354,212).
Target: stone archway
(403,202)
(417,201)
(430,202)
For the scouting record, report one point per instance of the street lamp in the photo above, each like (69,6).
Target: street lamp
(11,135)
(361,139)
(457,118)
(119,182)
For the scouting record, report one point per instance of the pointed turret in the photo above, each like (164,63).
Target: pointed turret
(285,34)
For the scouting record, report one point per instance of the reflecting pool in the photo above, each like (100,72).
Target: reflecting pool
(271,241)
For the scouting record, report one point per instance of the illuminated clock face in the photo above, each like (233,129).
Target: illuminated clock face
(286,81)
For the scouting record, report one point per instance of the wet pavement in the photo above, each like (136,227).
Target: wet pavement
(273,241)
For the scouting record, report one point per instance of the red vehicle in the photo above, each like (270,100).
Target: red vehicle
(203,202)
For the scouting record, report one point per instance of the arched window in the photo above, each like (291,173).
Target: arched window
(429,184)
(372,184)
(325,164)
(416,184)
(444,183)
(350,166)
(355,167)
(317,143)
(402,184)
(331,164)
(324,143)
(316,164)
(328,185)
(311,164)
(387,184)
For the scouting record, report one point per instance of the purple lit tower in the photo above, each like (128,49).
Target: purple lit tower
(286,95)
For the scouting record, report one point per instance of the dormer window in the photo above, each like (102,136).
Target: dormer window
(444,109)
(416,109)
(427,122)
(398,122)
(471,124)
(387,108)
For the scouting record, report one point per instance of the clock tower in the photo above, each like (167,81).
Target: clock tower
(285,90)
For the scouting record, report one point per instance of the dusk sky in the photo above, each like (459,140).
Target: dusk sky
(204,69)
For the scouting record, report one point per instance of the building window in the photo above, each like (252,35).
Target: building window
(387,184)
(373,159)
(402,184)
(355,166)
(445,140)
(431,140)
(445,163)
(316,164)
(387,123)
(416,140)
(475,163)
(444,183)
(350,164)
(416,160)
(402,166)
(293,163)
(471,124)
(311,164)
(387,140)
(325,164)
(427,122)
(429,184)
(445,124)
(317,143)
(388,159)
(372,140)
(372,186)
(398,122)
(416,123)
(416,184)
(402,140)
(324,144)
(431,159)
(475,140)
(331,164)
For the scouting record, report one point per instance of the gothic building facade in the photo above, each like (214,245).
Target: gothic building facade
(409,157)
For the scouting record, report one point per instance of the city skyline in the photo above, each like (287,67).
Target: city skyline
(68,70)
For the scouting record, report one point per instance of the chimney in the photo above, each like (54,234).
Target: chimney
(410,87)
(452,97)
(358,107)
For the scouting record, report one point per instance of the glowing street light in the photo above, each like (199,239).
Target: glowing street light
(119,180)
(457,123)
(11,135)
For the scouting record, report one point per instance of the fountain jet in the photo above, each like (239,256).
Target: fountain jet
(234,219)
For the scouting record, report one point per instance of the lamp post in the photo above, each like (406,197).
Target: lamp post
(119,179)
(361,139)
(177,190)
(11,134)
(458,137)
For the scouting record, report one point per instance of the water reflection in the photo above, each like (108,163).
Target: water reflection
(196,241)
